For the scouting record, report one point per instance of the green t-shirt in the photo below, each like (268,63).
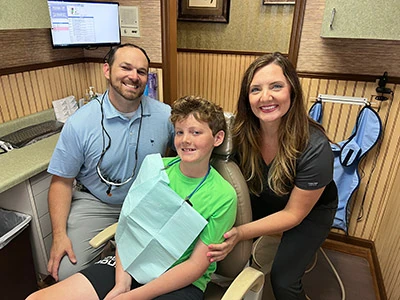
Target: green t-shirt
(215,200)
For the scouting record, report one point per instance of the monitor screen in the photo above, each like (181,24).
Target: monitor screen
(84,24)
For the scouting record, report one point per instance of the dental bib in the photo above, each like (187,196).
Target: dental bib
(156,225)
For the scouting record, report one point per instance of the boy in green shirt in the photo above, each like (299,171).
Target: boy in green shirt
(199,127)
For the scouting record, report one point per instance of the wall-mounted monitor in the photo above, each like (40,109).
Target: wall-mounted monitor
(85,24)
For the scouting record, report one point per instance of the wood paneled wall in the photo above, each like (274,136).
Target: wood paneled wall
(213,76)
(387,240)
(26,93)
(22,94)
(375,205)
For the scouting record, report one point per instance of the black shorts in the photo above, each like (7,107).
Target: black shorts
(102,277)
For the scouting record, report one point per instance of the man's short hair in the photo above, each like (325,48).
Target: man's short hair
(110,56)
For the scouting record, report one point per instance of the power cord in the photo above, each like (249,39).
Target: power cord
(313,264)
(342,290)
(335,272)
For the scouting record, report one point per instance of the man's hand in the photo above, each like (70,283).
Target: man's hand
(61,246)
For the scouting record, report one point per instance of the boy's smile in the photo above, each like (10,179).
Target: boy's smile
(194,143)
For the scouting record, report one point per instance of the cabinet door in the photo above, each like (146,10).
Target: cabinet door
(365,19)
(19,198)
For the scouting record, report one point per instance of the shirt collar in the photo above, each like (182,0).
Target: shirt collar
(111,112)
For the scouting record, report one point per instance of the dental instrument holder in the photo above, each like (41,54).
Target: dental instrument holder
(382,89)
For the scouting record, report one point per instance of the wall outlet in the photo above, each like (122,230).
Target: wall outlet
(130,31)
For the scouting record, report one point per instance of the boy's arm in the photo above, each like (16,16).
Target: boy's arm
(123,280)
(176,278)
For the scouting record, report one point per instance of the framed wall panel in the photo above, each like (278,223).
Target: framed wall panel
(265,2)
(204,10)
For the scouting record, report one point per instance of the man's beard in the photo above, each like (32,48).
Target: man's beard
(127,95)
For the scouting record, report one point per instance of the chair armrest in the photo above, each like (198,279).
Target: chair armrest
(248,279)
(103,236)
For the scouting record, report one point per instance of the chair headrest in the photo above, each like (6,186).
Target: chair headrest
(226,148)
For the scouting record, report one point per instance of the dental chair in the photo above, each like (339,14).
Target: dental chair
(233,279)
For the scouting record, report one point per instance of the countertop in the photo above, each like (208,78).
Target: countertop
(21,164)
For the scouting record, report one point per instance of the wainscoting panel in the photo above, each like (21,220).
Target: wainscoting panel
(216,77)
(94,74)
(387,240)
(26,93)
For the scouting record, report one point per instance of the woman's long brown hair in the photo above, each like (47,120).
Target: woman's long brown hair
(293,132)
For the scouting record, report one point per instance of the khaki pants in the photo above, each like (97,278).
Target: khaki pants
(88,216)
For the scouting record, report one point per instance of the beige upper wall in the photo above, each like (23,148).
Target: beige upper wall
(34,33)
(343,55)
(24,14)
(252,27)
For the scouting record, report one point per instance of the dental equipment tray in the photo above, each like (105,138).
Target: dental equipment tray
(32,134)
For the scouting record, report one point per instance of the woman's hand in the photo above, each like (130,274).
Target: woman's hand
(218,252)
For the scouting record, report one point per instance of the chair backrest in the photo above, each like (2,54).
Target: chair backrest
(234,263)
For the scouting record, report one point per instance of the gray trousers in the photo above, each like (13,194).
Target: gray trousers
(88,217)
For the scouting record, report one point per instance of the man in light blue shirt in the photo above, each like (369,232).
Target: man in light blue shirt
(102,147)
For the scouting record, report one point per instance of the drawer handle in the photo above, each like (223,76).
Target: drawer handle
(332,18)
